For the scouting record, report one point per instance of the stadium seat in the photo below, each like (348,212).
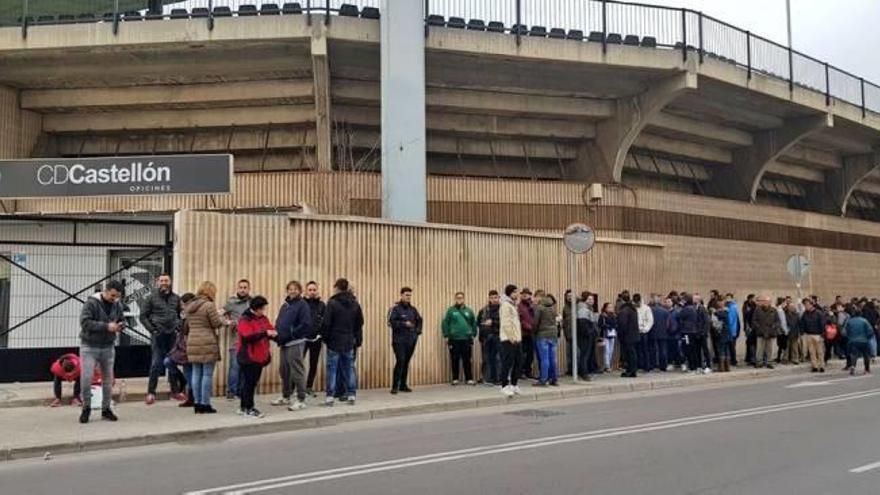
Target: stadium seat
(66,18)
(520,29)
(45,19)
(247,10)
(456,23)
(132,16)
(576,35)
(614,39)
(370,13)
(557,33)
(649,42)
(538,32)
(476,25)
(349,10)
(269,9)
(631,40)
(108,16)
(29,19)
(436,20)
(200,12)
(495,27)
(222,11)
(86,18)
(154,17)
(595,36)
(292,8)
(179,14)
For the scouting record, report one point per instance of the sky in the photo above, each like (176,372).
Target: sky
(844,33)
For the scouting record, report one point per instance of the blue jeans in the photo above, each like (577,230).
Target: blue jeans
(343,364)
(233,376)
(547,351)
(202,382)
(160,345)
(188,374)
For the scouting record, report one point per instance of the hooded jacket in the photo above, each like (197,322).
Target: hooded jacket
(545,320)
(317,309)
(662,318)
(204,322)
(511,330)
(343,325)
(527,316)
(460,323)
(252,341)
(858,330)
(489,312)
(733,319)
(161,312)
(93,321)
(58,370)
(687,320)
(628,324)
(294,322)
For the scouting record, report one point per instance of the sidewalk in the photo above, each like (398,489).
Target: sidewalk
(34,431)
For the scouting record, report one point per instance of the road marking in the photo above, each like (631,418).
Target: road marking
(866,467)
(395,464)
(820,383)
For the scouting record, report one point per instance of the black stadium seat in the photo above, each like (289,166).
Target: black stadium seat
(476,25)
(436,20)
(596,36)
(86,18)
(200,12)
(520,29)
(576,35)
(133,16)
(292,8)
(456,23)
(66,18)
(649,42)
(538,31)
(45,19)
(247,10)
(222,11)
(495,27)
(108,16)
(349,10)
(557,33)
(614,39)
(631,40)
(269,9)
(179,14)
(370,13)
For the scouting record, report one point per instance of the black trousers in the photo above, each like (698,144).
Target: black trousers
(511,362)
(313,349)
(732,352)
(461,354)
(751,347)
(403,352)
(56,387)
(860,349)
(694,350)
(250,374)
(528,349)
(630,355)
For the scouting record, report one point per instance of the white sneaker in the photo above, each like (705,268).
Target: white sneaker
(297,406)
(254,414)
(471,383)
(454,382)
(329,401)
(706,371)
(684,368)
(281,401)
(516,390)
(351,400)
(508,391)
(669,367)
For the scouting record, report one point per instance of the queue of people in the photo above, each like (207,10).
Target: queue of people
(518,332)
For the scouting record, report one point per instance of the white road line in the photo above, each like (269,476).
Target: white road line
(394,464)
(818,383)
(866,467)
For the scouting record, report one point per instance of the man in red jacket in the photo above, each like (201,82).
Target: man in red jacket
(67,369)
(252,351)
(527,322)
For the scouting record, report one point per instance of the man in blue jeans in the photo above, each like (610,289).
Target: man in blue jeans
(161,316)
(100,322)
(235,307)
(343,332)
(547,334)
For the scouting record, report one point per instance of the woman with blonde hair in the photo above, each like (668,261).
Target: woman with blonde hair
(203,345)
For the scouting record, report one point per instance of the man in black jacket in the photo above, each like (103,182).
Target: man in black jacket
(294,325)
(628,333)
(161,316)
(406,326)
(313,345)
(342,329)
(812,326)
(489,321)
(100,322)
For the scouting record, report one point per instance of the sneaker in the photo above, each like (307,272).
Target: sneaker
(471,383)
(539,384)
(230,396)
(241,412)
(393,391)
(84,415)
(55,403)
(179,397)
(76,402)
(684,368)
(311,393)
(281,401)
(852,371)
(207,409)
(454,382)
(508,391)
(150,399)
(516,390)
(821,370)
(669,367)
(769,366)
(351,400)
(297,406)
(707,370)
(329,401)
(554,383)
(253,414)
(108,415)
(405,389)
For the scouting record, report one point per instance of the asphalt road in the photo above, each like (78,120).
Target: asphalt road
(777,436)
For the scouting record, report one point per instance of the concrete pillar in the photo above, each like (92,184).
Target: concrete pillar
(404,182)
(841,183)
(615,136)
(321,75)
(742,180)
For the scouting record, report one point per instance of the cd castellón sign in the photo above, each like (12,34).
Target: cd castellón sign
(118,176)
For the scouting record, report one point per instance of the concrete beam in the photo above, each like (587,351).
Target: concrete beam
(701,129)
(616,135)
(321,75)
(685,149)
(179,119)
(749,164)
(842,182)
(480,125)
(452,145)
(168,96)
(796,172)
(812,157)
(483,102)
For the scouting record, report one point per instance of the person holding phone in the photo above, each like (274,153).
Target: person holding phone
(100,322)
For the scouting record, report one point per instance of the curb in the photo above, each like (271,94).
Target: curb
(44,401)
(293,424)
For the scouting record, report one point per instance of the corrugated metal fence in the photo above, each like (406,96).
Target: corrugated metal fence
(380,257)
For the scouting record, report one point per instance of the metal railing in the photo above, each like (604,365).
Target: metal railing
(605,21)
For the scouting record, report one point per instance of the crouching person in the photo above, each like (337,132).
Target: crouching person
(252,351)
(66,369)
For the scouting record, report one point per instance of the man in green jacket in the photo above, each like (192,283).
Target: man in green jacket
(459,330)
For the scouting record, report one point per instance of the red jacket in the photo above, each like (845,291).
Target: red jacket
(252,343)
(58,371)
(526,318)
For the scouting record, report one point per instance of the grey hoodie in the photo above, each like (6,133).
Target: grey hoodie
(94,319)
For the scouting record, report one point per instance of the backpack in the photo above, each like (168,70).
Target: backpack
(717,326)
(830,332)
(178,352)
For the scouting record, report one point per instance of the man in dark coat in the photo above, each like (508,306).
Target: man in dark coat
(628,333)
(406,326)
(342,329)
(314,345)
(161,317)
(766,326)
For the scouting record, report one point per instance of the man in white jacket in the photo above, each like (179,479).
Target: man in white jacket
(511,341)
(646,321)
